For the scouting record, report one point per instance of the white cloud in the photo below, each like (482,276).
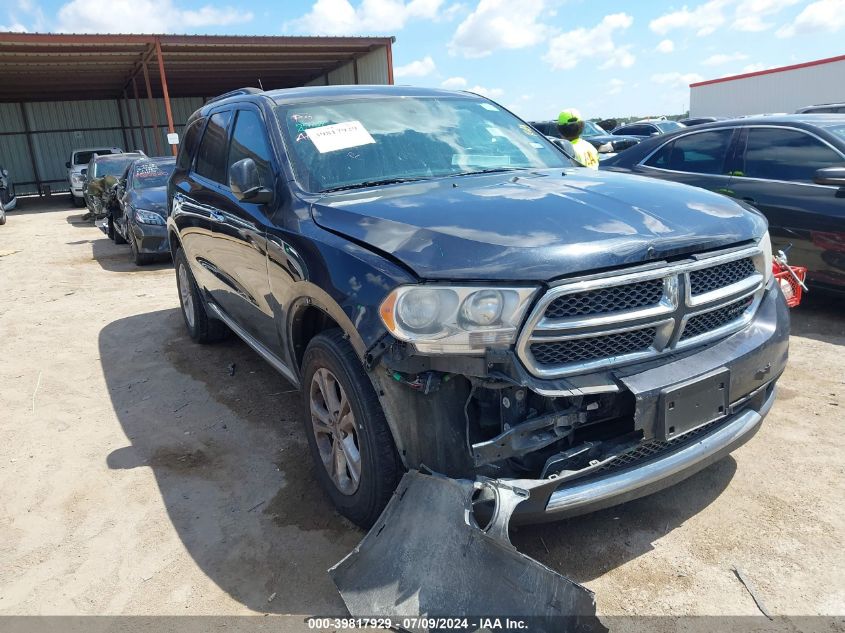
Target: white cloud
(340,17)
(749,14)
(822,16)
(615,86)
(490,93)
(677,79)
(567,49)
(723,58)
(498,24)
(705,19)
(15,27)
(665,46)
(142,16)
(753,68)
(418,68)
(454,83)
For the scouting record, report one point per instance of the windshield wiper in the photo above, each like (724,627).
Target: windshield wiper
(491,170)
(372,183)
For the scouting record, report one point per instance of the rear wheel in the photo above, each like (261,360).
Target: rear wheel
(201,327)
(2,214)
(350,441)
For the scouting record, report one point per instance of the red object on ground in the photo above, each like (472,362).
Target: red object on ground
(790,286)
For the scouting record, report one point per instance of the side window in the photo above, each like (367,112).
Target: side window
(250,141)
(702,153)
(782,154)
(188,146)
(211,157)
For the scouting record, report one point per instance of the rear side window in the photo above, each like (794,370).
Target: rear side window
(636,130)
(782,154)
(249,140)
(702,153)
(211,157)
(189,144)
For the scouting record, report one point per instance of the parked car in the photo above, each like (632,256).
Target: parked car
(792,168)
(447,289)
(8,201)
(701,120)
(101,175)
(604,142)
(79,159)
(139,216)
(823,108)
(647,128)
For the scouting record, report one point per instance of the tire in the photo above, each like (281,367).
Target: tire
(201,327)
(114,233)
(140,259)
(331,365)
(77,201)
(2,214)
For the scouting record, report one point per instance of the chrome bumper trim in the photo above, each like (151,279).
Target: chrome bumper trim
(646,478)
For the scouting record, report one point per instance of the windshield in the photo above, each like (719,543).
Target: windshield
(361,142)
(150,175)
(591,129)
(669,126)
(112,167)
(82,158)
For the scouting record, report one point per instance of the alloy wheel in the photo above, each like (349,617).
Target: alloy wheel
(186,297)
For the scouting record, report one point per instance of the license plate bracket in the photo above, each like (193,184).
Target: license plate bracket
(692,404)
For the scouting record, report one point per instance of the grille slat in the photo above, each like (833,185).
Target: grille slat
(594,347)
(607,300)
(721,276)
(714,319)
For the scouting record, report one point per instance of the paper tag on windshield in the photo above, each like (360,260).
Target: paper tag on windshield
(330,138)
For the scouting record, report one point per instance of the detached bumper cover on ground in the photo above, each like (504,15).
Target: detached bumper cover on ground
(426,558)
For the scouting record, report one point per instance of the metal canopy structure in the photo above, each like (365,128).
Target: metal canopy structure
(66,67)
(59,91)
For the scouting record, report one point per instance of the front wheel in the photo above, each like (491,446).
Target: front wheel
(350,441)
(2,214)
(201,327)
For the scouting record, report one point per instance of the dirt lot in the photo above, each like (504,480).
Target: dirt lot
(139,476)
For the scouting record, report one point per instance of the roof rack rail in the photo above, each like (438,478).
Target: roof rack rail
(235,93)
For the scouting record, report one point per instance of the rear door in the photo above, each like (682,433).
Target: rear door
(775,174)
(239,233)
(701,159)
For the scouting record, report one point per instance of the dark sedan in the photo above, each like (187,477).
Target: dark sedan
(140,220)
(648,128)
(603,141)
(792,168)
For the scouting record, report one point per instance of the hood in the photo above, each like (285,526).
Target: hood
(537,225)
(153,199)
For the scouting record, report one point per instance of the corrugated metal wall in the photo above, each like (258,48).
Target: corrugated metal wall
(372,69)
(57,127)
(783,91)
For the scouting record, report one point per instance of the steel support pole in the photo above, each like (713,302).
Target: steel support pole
(165,93)
(122,124)
(140,118)
(32,159)
(152,108)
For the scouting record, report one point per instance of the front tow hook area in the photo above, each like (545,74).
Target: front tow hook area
(440,553)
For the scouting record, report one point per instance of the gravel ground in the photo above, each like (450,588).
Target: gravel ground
(139,474)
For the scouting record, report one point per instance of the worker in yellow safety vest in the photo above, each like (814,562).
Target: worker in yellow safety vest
(571,126)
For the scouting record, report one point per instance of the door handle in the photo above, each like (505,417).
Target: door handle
(749,200)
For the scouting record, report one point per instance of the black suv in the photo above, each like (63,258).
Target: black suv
(448,290)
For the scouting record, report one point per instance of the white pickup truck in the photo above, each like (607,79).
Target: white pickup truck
(78,161)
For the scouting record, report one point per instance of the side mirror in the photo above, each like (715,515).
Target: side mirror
(84,172)
(245,182)
(67,165)
(5,173)
(831,176)
(655,134)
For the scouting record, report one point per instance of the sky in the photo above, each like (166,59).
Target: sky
(536,57)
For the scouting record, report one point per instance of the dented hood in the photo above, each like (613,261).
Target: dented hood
(535,225)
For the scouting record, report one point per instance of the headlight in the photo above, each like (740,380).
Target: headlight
(455,319)
(76,178)
(766,247)
(148,217)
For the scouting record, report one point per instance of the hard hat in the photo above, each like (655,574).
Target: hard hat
(568,116)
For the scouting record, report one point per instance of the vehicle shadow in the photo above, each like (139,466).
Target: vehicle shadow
(586,547)
(117,258)
(30,204)
(821,316)
(222,433)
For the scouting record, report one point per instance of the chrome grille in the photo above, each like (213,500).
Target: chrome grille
(709,321)
(581,326)
(709,279)
(592,347)
(605,300)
